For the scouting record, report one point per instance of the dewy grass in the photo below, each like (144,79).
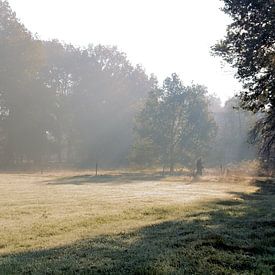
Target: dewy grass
(62,224)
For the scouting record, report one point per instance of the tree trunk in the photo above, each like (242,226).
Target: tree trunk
(163,170)
(96,168)
(171,159)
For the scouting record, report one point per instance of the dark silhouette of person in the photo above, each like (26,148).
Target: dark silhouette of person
(199,167)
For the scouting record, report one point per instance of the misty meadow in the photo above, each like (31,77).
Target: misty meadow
(107,168)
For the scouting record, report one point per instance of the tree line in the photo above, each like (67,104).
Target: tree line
(62,103)
(67,105)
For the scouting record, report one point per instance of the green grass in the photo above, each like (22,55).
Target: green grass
(230,234)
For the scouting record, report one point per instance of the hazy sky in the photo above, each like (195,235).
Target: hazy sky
(165,36)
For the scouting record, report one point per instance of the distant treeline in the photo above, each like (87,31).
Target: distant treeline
(65,105)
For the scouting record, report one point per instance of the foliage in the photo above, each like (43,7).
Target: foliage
(176,120)
(59,103)
(233,127)
(249,47)
(25,103)
(264,134)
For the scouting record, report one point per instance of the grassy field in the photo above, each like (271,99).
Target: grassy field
(136,223)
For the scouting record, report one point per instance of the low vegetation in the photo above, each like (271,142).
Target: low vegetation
(132,223)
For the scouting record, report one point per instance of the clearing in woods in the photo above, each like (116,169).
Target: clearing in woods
(135,223)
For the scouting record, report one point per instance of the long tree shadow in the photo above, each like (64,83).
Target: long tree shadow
(224,237)
(108,178)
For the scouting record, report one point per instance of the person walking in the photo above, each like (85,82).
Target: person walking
(199,167)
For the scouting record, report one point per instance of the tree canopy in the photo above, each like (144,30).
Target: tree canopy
(249,46)
(63,103)
(175,125)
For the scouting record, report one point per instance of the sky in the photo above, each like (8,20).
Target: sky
(164,36)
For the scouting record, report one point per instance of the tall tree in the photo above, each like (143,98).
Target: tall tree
(106,98)
(25,101)
(97,92)
(175,123)
(249,47)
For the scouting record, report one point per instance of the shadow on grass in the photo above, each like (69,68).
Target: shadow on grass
(224,237)
(113,178)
